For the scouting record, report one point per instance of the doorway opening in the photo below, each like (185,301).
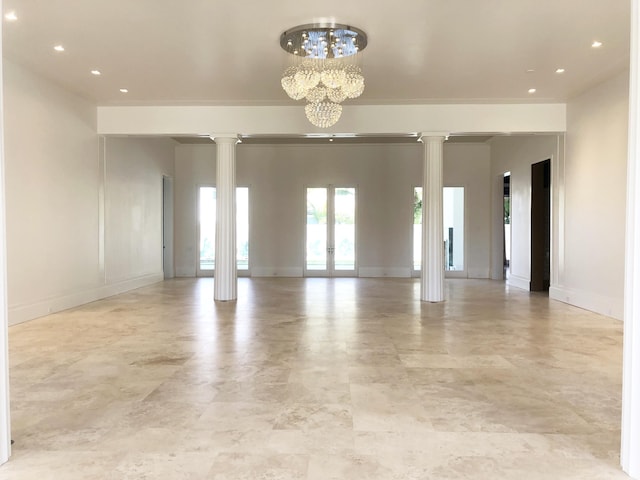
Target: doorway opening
(506,224)
(540,226)
(453,228)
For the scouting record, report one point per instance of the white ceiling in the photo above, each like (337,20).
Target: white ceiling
(213,52)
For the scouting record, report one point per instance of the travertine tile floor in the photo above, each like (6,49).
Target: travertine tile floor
(317,379)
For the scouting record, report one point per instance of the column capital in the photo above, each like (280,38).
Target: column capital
(424,136)
(225,138)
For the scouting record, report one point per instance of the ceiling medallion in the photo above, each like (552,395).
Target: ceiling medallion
(324,69)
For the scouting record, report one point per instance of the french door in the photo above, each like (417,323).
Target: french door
(207,231)
(330,236)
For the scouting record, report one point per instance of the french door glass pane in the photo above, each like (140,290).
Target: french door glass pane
(207,206)
(453,217)
(316,229)
(417,228)
(242,227)
(345,228)
(207,217)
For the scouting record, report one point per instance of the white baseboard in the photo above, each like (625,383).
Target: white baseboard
(393,272)
(24,312)
(455,274)
(362,272)
(185,272)
(609,306)
(276,272)
(518,282)
(478,273)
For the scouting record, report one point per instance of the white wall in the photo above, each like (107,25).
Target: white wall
(516,154)
(194,166)
(60,244)
(133,206)
(5,413)
(468,165)
(588,199)
(384,174)
(52,183)
(594,198)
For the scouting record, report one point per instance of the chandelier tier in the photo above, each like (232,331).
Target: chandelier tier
(324,70)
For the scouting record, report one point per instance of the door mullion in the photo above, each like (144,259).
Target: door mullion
(317,199)
(331,230)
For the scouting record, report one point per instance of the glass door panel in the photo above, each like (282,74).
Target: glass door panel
(344,229)
(207,230)
(417,229)
(316,248)
(242,228)
(453,218)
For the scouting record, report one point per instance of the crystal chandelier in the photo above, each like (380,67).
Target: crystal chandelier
(324,71)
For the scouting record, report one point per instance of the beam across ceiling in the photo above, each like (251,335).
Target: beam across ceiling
(356,119)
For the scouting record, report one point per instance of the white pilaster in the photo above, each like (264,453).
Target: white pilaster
(226,275)
(432,275)
(630,445)
(5,424)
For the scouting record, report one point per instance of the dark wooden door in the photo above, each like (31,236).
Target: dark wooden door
(540,225)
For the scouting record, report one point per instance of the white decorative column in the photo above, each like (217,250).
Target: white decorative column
(432,276)
(226,274)
(630,445)
(5,424)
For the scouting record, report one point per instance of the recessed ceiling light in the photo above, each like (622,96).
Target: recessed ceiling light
(531,70)
(124,90)
(331,139)
(95,72)
(596,44)
(560,70)
(11,16)
(532,90)
(59,48)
